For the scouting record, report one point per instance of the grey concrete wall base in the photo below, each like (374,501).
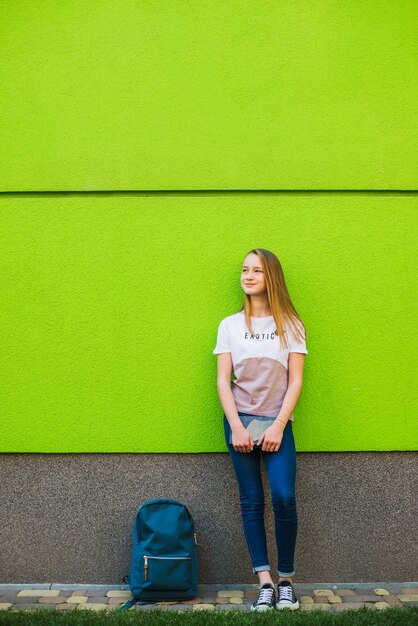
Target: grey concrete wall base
(69,517)
(302,587)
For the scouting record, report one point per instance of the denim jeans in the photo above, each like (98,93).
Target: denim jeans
(281,472)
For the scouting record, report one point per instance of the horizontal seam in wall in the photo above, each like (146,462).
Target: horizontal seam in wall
(189,192)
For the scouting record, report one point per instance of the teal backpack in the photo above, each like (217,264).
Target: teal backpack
(164,555)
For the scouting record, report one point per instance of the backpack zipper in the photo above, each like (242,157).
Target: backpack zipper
(148,556)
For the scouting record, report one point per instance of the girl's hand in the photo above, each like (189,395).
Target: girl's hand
(271,438)
(242,440)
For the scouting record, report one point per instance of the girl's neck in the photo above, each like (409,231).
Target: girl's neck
(260,308)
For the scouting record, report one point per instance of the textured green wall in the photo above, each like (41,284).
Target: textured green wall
(110,307)
(260,94)
(111,300)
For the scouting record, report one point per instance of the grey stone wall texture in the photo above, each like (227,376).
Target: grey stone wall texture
(67,518)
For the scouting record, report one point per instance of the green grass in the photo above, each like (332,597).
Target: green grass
(392,616)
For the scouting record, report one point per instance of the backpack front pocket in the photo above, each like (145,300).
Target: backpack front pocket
(169,571)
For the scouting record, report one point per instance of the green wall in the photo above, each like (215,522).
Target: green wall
(111,305)
(260,94)
(145,148)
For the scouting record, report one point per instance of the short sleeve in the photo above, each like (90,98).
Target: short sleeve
(223,343)
(297,345)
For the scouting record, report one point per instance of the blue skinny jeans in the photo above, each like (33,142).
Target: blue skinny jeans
(281,472)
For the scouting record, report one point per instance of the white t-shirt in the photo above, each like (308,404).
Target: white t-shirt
(260,365)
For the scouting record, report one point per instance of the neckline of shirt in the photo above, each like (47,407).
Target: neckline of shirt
(263,317)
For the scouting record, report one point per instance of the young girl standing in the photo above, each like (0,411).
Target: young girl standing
(264,343)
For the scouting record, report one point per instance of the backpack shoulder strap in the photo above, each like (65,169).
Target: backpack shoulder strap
(130,603)
(127,605)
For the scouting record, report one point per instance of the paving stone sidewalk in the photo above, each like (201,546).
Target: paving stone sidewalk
(324,596)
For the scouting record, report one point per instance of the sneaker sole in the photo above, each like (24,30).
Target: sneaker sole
(287,605)
(261,608)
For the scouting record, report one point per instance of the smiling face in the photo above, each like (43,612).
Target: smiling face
(252,275)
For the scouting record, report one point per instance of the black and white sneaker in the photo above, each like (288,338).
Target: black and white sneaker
(286,598)
(266,598)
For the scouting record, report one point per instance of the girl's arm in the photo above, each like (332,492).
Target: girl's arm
(271,439)
(294,388)
(224,391)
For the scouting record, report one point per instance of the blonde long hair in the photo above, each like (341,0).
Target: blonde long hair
(278,297)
